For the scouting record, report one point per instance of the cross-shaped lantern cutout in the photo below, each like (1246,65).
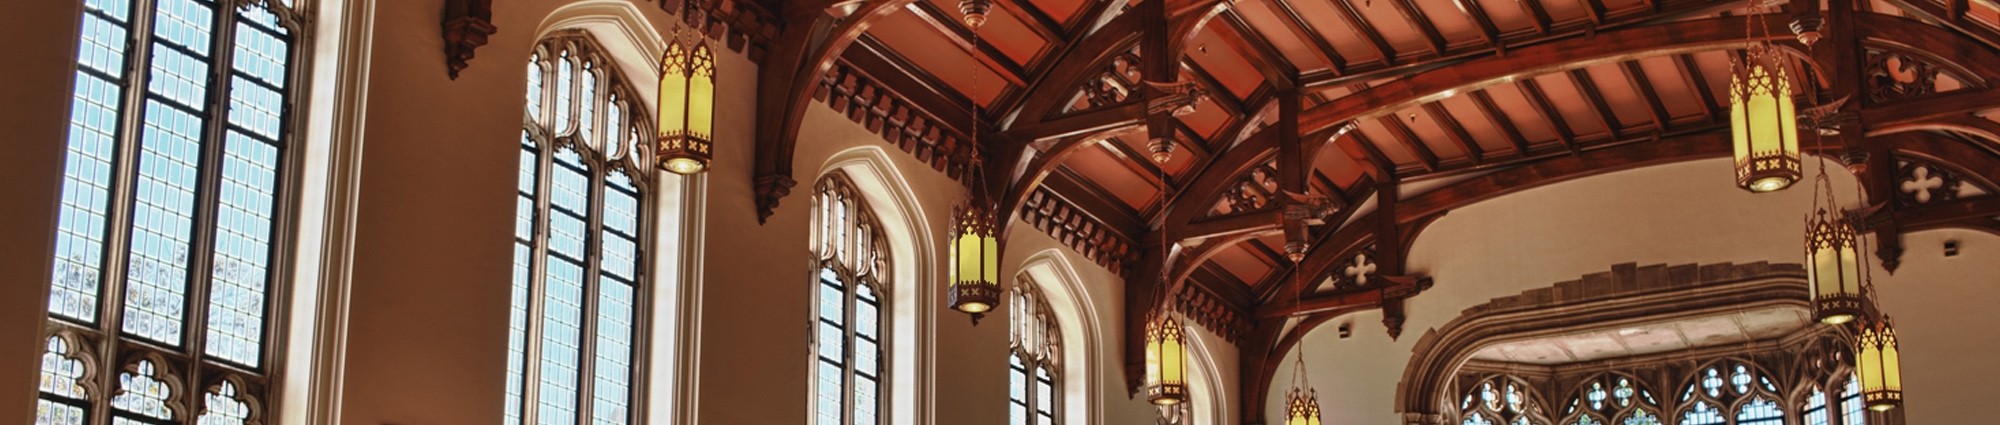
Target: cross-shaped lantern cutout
(1921,183)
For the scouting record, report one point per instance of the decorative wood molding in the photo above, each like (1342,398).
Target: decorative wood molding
(745,26)
(467,24)
(1213,312)
(1069,224)
(771,188)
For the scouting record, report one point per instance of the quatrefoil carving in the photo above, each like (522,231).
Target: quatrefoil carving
(1923,183)
(1358,269)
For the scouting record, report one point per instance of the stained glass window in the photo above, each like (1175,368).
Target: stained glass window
(169,216)
(582,207)
(1502,399)
(1612,395)
(1702,414)
(1034,343)
(847,343)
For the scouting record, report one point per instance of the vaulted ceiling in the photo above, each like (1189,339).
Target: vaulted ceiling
(1393,111)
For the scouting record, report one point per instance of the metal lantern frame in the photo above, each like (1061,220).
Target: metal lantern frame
(686,104)
(1763,122)
(974,260)
(1833,265)
(1166,359)
(1878,361)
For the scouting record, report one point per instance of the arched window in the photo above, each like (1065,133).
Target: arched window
(166,253)
(1032,366)
(1723,387)
(1852,411)
(852,266)
(1815,410)
(583,210)
(1500,400)
(1612,398)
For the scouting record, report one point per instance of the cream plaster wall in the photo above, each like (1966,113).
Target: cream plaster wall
(1672,214)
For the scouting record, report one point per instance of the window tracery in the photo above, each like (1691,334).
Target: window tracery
(167,232)
(1033,362)
(852,262)
(1501,400)
(1612,398)
(583,207)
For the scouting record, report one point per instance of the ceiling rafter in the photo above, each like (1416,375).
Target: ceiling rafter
(1304,30)
(1410,11)
(1456,131)
(1500,120)
(1635,75)
(1278,72)
(1540,13)
(1035,19)
(1550,115)
(960,36)
(1361,25)
(1403,135)
(1595,98)
(1486,28)
(1692,76)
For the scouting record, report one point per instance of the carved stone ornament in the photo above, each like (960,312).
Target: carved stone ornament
(1893,76)
(1358,271)
(1920,183)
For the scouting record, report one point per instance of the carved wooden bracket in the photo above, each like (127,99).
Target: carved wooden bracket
(771,188)
(467,24)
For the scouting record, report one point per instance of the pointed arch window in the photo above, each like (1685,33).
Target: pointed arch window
(1612,398)
(1852,410)
(1033,368)
(1500,400)
(1815,410)
(851,262)
(167,245)
(1733,392)
(583,210)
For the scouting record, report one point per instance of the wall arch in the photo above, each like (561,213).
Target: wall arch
(1075,317)
(912,247)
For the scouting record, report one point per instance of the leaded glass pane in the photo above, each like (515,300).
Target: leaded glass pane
(614,352)
(1702,414)
(1641,417)
(222,408)
(53,413)
(1852,411)
(1815,411)
(61,375)
(141,392)
(1476,419)
(1760,411)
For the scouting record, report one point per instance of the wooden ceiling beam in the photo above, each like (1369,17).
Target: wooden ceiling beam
(1102,119)
(1137,163)
(1098,203)
(1541,14)
(1500,120)
(1404,136)
(1636,76)
(960,36)
(1549,113)
(1038,21)
(1365,151)
(1933,107)
(1217,93)
(1410,11)
(1367,30)
(1595,98)
(1301,28)
(1456,131)
(803,52)
(1486,28)
(1596,8)
(1278,73)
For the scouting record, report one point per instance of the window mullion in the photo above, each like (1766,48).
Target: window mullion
(593,258)
(201,251)
(531,371)
(849,335)
(118,217)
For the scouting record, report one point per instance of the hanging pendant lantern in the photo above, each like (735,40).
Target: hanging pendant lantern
(1166,360)
(1302,407)
(1763,122)
(687,104)
(975,260)
(1880,365)
(1834,267)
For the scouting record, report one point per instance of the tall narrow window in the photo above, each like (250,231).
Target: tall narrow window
(1815,411)
(852,266)
(166,260)
(1032,364)
(1852,410)
(583,206)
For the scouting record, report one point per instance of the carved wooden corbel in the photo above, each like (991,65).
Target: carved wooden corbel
(467,24)
(771,188)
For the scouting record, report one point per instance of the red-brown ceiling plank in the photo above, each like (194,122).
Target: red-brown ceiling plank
(1038,21)
(1549,114)
(1500,120)
(1410,11)
(946,25)
(1303,30)
(1137,163)
(1367,30)
(1217,93)
(1541,14)
(931,94)
(1365,151)
(1247,42)
(1486,28)
(1456,131)
(1595,98)
(1691,75)
(1100,204)
(1596,8)
(1403,135)
(1636,76)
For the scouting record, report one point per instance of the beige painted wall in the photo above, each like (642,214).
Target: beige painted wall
(36,95)
(1672,214)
